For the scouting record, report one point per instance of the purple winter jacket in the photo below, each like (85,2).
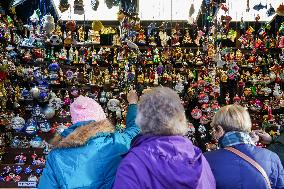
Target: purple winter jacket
(167,162)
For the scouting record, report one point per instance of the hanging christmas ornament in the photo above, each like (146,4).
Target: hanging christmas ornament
(34,91)
(48,112)
(191,12)
(196,113)
(204,119)
(20,159)
(31,127)
(281,42)
(70,25)
(18,123)
(55,103)
(78,7)
(35,16)
(36,142)
(259,6)
(270,11)
(203,98)
(224,7)
(36,112)
(64,5)
(280,10)
(111,3)
(44,126)
(48,24)
(18,169)
(32,178)
(113,105)
(95,4)
(97,26)
(55,40)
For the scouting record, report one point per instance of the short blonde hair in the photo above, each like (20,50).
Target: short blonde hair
(160,112)
(232,118)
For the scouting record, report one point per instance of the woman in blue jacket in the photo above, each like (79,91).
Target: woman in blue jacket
(230,126)
(87,154)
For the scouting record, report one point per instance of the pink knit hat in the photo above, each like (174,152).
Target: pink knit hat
(86,109)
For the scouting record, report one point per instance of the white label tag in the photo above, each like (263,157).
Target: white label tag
(27,184)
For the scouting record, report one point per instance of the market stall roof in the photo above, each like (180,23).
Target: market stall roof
(238,9)
(148,10)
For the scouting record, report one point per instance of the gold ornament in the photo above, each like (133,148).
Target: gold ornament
(81,34)
(97,25)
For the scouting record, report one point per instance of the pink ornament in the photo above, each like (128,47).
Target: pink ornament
(67,100)
(203,98)
(204,119)
(196,113)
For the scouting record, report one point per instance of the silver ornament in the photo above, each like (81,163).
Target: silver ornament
(18,123)
(35,92)
(49,112)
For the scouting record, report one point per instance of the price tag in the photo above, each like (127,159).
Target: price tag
(27,184)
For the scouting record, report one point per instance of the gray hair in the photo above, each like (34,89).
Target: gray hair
(160,112)
(232,118)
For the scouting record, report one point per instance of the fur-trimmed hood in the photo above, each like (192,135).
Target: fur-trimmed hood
(82,134)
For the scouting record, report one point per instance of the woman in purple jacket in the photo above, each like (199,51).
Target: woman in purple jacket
(161,157)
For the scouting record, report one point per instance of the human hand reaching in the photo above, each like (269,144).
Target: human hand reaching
(132,97)
(265,138)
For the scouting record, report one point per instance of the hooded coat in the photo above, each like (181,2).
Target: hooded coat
(88,157)
(164,162)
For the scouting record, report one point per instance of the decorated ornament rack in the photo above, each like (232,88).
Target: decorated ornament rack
(44,66)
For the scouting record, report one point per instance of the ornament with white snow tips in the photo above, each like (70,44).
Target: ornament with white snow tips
(55,40)
(49,112)
(36,142)
(18,123)
(48,24)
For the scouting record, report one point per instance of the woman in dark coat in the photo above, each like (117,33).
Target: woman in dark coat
(231,126)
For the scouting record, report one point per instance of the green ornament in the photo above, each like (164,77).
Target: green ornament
(209,18)
(253,91)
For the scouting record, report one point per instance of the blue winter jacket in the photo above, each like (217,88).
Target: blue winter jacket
(232,172)
(83,160)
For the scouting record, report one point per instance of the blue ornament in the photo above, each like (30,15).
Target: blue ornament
(31,127)
(36,111)
(38,171)
(36,142)
(17,123)
(53,67)
(25,93)
(28,170)
(49,112)
(15,142)
(43,85)
(37,74)
(18,169)
(45,126)
(43,96)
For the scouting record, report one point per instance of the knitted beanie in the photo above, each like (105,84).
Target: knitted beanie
(86,109)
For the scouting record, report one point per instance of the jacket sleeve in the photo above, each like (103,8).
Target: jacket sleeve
(48,179)
(131,130)
(280,176)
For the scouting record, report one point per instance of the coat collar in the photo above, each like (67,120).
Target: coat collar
(81,135)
